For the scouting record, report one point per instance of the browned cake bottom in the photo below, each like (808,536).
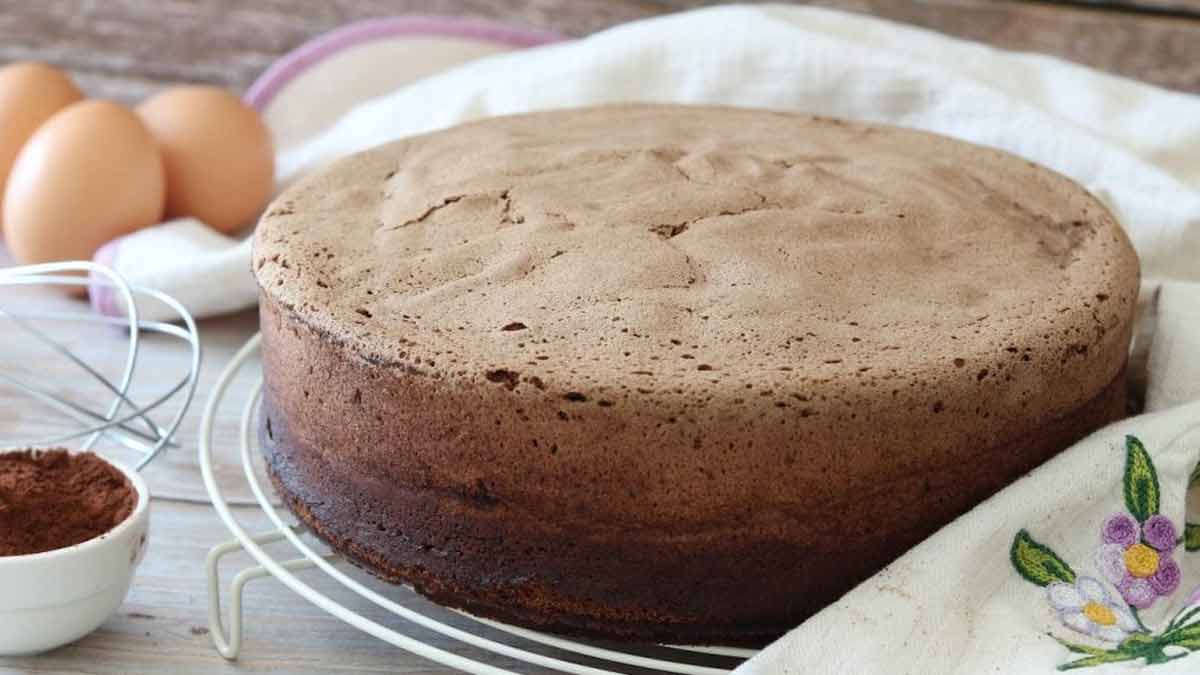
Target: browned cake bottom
(493,562)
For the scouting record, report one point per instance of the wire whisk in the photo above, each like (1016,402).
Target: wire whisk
(125,421)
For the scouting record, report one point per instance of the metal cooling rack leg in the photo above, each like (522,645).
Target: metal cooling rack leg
(230,646)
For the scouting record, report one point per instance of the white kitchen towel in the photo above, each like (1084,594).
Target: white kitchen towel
(1083,562)
(205,270)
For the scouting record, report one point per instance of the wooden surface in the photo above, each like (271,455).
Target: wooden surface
(124,49)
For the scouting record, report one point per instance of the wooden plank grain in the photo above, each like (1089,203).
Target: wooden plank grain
(1165,6)
(1160,50)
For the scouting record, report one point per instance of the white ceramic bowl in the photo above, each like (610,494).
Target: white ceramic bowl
(52,598)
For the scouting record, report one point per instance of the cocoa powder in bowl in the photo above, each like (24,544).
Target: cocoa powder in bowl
(51,499)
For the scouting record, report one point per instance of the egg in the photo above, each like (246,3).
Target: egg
(91,173)
(29,94)
(217,152)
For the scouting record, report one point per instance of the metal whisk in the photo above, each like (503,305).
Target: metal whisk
(125,421)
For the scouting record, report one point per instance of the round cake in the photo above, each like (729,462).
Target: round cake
(674,373)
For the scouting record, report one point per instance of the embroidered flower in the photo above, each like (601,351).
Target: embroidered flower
(1141,560)
(1135,555)
(1120,529)
(1137,559)
(1159,532)
(1087,607)
(1166,580)
(1110,560)
(1137,592)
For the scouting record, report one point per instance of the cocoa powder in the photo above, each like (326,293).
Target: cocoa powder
(51,499)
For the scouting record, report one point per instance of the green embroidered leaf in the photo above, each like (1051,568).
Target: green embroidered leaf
(1114,656)
(1191,536)
(1137,642)
(1187,631)
(1141,481)
(1195,479)
(1037,563)
(1187,636)
(1190,644)
(1184,616)
(1187,616)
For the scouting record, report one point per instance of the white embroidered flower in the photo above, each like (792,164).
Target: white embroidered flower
(1086,606)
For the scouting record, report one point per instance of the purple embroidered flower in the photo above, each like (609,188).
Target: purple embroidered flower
(1166,580)
(1120,529)
(1159,532)
(1137,592)
(1136,558)
(1110,561)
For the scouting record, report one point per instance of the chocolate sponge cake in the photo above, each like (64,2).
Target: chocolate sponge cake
(674,373)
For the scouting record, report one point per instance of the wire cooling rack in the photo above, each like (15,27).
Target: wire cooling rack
(305,555)
(124,421)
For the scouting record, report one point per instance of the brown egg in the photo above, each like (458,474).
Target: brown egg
(89,174)
(29,94)
(217,153)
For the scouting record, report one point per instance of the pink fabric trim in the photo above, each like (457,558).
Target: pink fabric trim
(264,89)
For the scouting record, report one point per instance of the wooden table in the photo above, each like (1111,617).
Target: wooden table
(125,49)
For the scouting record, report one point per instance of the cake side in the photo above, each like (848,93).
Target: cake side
(744,579)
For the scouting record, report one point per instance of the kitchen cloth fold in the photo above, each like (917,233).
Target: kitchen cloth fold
(1086,561)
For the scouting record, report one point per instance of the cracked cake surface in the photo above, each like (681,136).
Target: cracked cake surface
(520,346)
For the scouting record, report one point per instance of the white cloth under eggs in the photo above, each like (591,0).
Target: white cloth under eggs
(208,272)
(955,603)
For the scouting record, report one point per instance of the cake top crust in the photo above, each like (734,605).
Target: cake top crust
(615,252)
